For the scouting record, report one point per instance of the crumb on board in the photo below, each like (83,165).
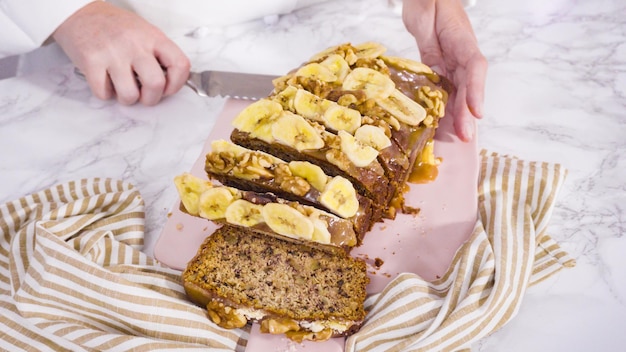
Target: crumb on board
(375,263)
(179,226)
(169,215)
(290,346)
(410,210)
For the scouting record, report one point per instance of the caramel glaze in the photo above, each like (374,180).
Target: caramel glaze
(423,173)
(409,83)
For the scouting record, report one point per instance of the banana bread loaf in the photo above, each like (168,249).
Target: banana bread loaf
(337,140)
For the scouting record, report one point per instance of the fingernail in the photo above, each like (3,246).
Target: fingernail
(477,110)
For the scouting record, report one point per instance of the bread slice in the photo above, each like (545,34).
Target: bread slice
(263,212)
(301,182)
(294,289)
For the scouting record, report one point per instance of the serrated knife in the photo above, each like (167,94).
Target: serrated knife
(231,84)
(237,85)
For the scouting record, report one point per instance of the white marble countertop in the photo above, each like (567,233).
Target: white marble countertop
(556,91)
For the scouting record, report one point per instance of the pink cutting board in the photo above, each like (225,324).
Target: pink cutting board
(423,244)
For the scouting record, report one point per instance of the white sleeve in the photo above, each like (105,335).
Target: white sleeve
(26,24)
(172,16)
(469,3)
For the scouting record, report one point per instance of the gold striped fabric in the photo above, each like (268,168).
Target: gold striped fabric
(73,277)
(508,250)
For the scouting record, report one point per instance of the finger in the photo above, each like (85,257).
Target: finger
(177,75)
(124,84)
(151,79)
(476,76)
(100,83)
(464,124)
(430,54)
(177,66)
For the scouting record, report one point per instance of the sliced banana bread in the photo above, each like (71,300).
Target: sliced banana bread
(294,289)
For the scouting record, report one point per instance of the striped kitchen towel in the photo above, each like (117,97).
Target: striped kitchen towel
(72,276)
(482,290)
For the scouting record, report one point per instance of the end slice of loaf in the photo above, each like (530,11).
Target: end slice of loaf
(290,288)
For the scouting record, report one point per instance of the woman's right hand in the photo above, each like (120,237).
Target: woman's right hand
(122,55)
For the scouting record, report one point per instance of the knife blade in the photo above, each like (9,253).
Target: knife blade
(226,84)
(231,84)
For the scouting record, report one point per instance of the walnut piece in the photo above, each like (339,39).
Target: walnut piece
(332,141)
(434,101)
(295,185)
(254,165)
(225,316)
(338,158)
(281,172)
(221,162)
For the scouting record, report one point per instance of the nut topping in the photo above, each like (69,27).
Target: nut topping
(434,101)
(225,316)
(279,325)
(296,185)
